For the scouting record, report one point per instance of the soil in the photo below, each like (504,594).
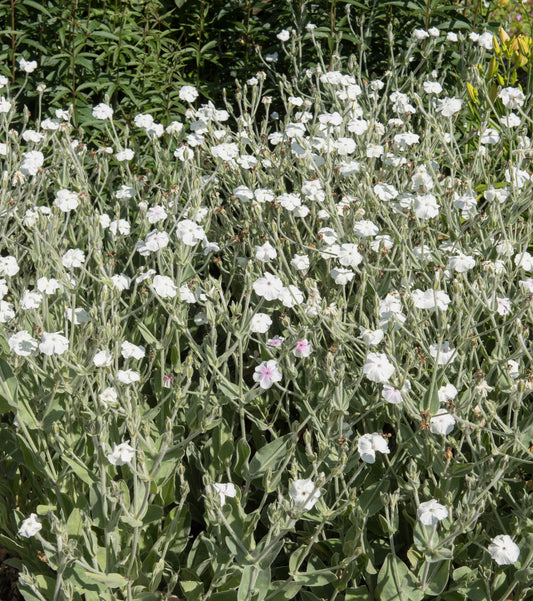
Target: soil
(8,579)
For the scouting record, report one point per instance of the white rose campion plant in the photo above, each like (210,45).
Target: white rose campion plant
(258,358)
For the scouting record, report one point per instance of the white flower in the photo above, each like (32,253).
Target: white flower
(371,337)
(27,67)
(145,275)
(189,232)
(263,195)
(452,37)
(489,136)
(431,512)
(269,287)
(365,228)
(513,368)
(267,373)
(385,192)
(466,203)
(164,286)
(225,489)
(447,393)
(344,146)
(378,368)
(6,311)
(30,135)
(187,295)
(188,93)
(349,256)
(499,194)
(349,168)
(143,120)
(184,153)
(125,192)
(461,263)
(300,262)
(128,376)
(121,282)
(443,353)
(357,126)
(483,389)
(125,155)
(73,258)
(442,423)
(426,207)
(102,111)
(129,350)
(449,106)
(368,444)
(302,211)
(503,305)
(30,300)
(120,226)
(430,299)
(304,493)
(5,105)
(432,87)
(153,242)
(260,323)
(8,266)
(511,120)
(283,35)
(80,315)
(53,343)
(512,98)
(155,214)
(22,344)
(420,34)
(32,162)
(265,253)
(485,40)
(405,140)
(342,275)
(174,128)
(108,397)
(291,296)
(50,124)
(30,526)
(227,151)
(374,151)
(66,200)
(48,286)
(503,550)
(433,32)
(122,453)
(328,235)
(103,359)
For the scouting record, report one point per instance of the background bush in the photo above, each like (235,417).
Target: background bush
(139,53)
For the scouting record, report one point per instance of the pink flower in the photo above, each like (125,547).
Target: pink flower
(302,349)
(391,395)
(276,341)
(267,373)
